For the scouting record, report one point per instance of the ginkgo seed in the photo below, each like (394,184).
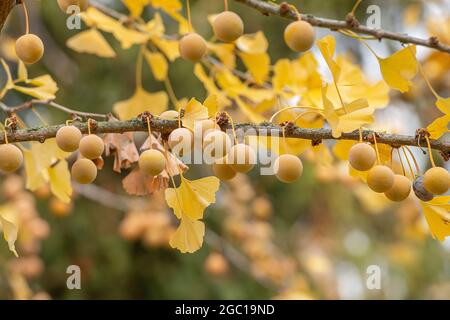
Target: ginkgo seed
(84,171)
(11,158)
(288,168)
(192,47)
(91,146)
(228,26)
(65,4)
(181,141)
(380,178)
(400,190)
(152,162)
(362,156)
(242,158)
(169,115)
(68,138)
(29,48)
(223,170)
(299,36)
(436,180)
(218,142)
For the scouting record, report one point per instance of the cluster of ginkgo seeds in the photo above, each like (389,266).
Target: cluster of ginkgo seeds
(228,27)
(70,139)
(396,187)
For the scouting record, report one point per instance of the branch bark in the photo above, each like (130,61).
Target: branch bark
(165,127)
(5,8)
(283,10)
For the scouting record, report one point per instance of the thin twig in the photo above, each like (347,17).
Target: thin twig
(284,10)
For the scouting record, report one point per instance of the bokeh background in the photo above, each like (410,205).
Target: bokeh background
(311,240)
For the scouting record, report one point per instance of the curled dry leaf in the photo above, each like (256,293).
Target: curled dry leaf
(123,148)
(139,184)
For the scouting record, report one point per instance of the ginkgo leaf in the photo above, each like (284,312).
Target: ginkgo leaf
(169,6)
(257,64)
(43,87)
(327,47)
(253,43)
(443,104)
(9,84)
(158,64)
(168,47)
(9,227)
(192,197)
(342,148)
(212,104)
(439,127)
(60,182)
(141,101)
(210,86)
(128,37)
(194,111)
(437,215)
(135,6)
(22,72)
(188,237)
(92,42)
(225,53)
(249,111)
(399,68)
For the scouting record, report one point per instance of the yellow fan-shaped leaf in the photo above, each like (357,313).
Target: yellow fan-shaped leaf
(399,68)
(43,87)
(158,64)
(327,47)
(225,53)
(257,64)
(210,86)
(437,215)
(9,228)
(9,84)
(212,104)
(253,43)
(439,127)
(194,111)
(60,183)
(135,6)
(341,148)
(141,101)
(443,104)
(192,197)
(92,42)
(188,237)
(168,47)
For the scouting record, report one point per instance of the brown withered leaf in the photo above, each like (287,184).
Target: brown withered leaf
(122,146)
(139,184)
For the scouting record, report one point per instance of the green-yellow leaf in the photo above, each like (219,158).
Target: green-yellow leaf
(43,87)
(158,64)
(439,127)
(91,42)
(194,111)
(438,217)
(9,227)
(60,183)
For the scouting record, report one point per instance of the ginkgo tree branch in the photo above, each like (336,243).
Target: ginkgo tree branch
(165,127)
(284,10)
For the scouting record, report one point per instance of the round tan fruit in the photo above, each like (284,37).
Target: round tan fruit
(84,171)
(299,36)
(181,141)
(223,171)
(242,158)
(65,4)
(228,26)
(400,190)
(59,208)
(261,208)
(11,158)
(288,168)
(217,144)
(362,156)
(152,162)
(91,146)
(29,48)
(68,138)
(216,264)
(192,47)
(169,115)
(208,126)
(436,180)
(380,178)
